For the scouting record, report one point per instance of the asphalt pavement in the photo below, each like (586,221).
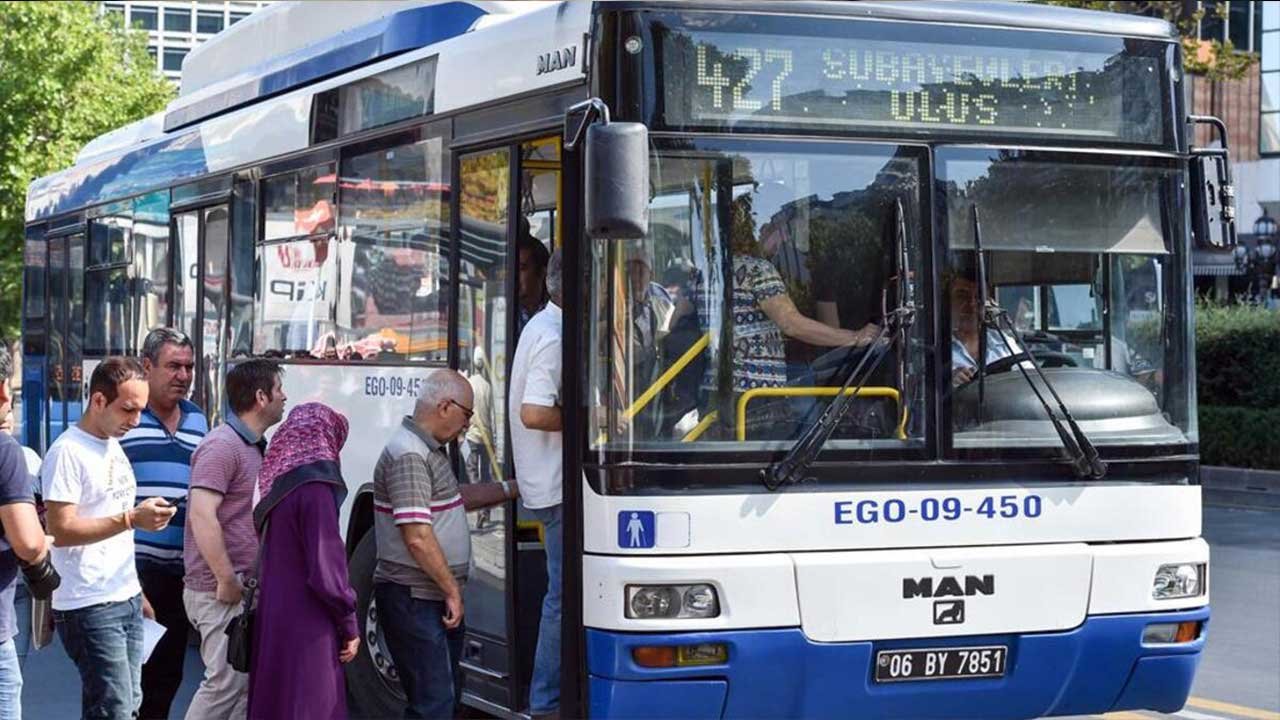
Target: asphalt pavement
(1238,678)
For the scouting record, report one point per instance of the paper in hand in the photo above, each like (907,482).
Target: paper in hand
(152,631)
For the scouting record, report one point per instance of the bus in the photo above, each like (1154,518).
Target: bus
(880,389)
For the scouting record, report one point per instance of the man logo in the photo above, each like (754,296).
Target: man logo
(948,586)
(557,60)
(948,612)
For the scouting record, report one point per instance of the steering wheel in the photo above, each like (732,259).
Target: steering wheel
(1043,358)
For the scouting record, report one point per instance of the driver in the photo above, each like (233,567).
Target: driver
(965,323)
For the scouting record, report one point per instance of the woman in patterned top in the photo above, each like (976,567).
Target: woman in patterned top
(763,314)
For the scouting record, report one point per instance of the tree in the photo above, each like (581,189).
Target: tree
(1216,59)
(67,75)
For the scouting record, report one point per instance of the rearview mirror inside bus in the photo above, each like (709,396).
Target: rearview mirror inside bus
(617,181)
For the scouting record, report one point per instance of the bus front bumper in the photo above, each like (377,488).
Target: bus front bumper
(1100,666)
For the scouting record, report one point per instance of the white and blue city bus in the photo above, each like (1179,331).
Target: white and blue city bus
(988,507)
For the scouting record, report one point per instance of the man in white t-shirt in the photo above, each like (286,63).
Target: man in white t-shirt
(89,492)
(536,438)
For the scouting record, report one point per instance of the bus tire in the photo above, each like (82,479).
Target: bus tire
(368,688)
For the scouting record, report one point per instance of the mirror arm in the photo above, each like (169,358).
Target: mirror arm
(591,109)
(1226,185)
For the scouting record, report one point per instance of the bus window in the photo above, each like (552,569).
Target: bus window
(213,302)
(540,189)
(393,301)
(298,204)
(108,304)
(150,266)
(764,276)
(187,270)
(241,270)
(1087,239)
(297,265)
(35,338)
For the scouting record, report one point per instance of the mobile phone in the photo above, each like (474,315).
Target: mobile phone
(176,502)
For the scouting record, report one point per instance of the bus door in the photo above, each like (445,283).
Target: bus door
(200,298)
(66,332)
(504,193)
(32,414)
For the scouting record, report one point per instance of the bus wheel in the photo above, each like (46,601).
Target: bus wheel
(372,682)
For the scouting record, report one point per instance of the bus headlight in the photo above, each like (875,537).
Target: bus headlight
(646,602)
(1182,580)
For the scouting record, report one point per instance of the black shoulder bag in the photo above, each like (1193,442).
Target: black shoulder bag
(240,629)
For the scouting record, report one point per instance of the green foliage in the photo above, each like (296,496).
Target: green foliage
(1238,383)
(1238,356)
(1239,437)
(67,75)
(1222,62)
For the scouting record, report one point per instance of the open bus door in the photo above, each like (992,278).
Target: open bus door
(512,192)
(500,192)
(200,301)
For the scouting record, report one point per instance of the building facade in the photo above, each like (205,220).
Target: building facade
(1250,107)
(174,27)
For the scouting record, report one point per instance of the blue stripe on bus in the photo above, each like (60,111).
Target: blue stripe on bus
(175,157)
(390,35)
(1097,667)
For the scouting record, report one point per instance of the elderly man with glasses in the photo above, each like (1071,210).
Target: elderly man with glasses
(424,544)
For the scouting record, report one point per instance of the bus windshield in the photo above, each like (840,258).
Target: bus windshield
(760,286)
(1079,255)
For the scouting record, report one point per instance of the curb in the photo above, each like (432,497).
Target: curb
(1240,487)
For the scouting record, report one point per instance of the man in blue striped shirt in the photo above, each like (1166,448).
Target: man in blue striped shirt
(159,450)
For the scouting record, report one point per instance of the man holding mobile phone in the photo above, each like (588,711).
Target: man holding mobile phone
(159,449)
(89,489)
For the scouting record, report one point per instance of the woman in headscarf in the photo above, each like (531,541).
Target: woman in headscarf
(306,621)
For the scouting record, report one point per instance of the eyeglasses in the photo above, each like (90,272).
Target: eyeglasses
(465,410)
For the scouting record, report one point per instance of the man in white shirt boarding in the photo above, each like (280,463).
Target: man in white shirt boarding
(536,440)
(89,487)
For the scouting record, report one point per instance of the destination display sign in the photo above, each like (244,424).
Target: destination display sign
(712,78)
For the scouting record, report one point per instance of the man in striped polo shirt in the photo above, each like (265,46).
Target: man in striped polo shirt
(159,449)
(424,544)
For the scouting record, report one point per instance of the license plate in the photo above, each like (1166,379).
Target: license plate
(941,663)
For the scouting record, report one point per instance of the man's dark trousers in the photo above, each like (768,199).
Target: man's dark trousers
(427,655)
(162,673)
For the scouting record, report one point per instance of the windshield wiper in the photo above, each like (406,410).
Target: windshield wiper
(1085,462)
(898,322)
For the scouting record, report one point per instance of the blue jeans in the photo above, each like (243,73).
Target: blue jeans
(105,643)
(10,681)
(544,689)
(426,654)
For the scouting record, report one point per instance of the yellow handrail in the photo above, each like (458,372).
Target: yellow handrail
(753,393)
(701,427)
(658,385)
(666,377)
(491,452)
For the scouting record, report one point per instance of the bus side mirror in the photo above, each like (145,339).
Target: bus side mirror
(617,181)
(1213,213)
(1213,196)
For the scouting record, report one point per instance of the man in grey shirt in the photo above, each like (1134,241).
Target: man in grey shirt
(424,544)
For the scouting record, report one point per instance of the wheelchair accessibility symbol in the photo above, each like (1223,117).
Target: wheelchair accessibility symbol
(635,529)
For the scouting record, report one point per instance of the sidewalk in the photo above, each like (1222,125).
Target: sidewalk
(1240,487)
(51,686)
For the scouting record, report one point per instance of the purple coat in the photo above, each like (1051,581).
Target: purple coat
(306,610)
